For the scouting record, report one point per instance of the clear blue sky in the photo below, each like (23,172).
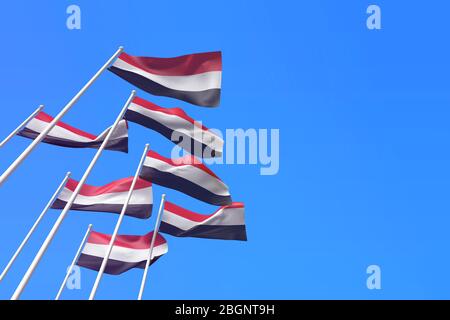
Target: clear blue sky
(364,161)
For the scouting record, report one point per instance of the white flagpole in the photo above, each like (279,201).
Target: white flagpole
(152,244)
(66,209)
(50,126)
(35,225)
(77,255)
(22,125)
(116,229)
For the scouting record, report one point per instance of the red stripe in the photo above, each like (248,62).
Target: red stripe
(126,241)
(172,111)
(47,118)
(178,66)
(44,117)
(121,185)
(188,160)
(193,216)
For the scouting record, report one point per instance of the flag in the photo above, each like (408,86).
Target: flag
(109,198)
(177,126)
(194,78)
(128,252)
(226,223)
(187,175)
(65,135)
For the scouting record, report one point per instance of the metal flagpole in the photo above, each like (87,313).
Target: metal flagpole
(77,255)
(35,225)
(66,209)
(152,244)
(22,125)
(116,229)
(50,126)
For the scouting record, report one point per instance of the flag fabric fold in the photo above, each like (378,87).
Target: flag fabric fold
(128,252)
(177,126)
(109,198)
(187,175)
(194,78)
(227,223)
(65,135)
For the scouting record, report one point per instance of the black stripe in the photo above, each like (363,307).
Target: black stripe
(206,98)
(114,267)
(172,181)
(192,146)
(237,232)
(113,144)
(140,211)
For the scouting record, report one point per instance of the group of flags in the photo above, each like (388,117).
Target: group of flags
(196,79)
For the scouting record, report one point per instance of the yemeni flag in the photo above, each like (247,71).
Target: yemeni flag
(128,252)
(177,126)
(187,175)
(194,78)
(64,135)
(109,198)
(227,223)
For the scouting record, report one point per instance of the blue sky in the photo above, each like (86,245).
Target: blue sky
(363,119)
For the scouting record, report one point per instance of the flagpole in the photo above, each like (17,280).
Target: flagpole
(152,244)
(119,222)
(50,126)
(22,125)
(66,209)
(77,255)
(35,225)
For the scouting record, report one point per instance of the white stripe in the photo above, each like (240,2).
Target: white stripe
(197,82)
(224,217)
(57,131)
(124,254)
(191,173)
(139,196)
(120,132)
(179,124)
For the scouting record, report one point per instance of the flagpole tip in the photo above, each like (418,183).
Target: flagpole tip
(163,196)
(68,174)
(90,226)
(121,47)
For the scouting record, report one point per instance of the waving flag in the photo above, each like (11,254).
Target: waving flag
(65,135)
(128,252)
(194,78)
(187,175)
(110,197)
(227,223)
(175,123)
